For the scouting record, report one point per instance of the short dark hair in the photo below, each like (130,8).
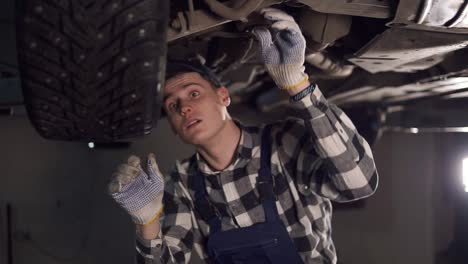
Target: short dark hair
(174,68)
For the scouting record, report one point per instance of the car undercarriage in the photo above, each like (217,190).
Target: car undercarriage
(93,70)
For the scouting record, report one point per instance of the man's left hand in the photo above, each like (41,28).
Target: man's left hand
(283,49)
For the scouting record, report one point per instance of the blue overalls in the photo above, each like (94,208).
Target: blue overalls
(266,242)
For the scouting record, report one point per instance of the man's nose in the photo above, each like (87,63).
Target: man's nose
(185,109)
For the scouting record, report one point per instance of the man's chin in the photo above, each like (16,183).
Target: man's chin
(194,140)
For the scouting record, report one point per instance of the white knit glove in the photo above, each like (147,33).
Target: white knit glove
(140,193)
(283,49)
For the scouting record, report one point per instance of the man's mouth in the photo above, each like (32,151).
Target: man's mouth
(192,123)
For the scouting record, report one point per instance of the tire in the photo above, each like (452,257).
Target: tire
(92,70)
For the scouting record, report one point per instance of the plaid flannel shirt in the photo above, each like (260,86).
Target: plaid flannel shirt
(316,158)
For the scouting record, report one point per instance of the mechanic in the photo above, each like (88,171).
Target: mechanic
(248,194)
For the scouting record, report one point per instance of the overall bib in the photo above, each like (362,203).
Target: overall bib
(266,242)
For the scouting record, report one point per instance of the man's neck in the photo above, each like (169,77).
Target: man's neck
(220,151)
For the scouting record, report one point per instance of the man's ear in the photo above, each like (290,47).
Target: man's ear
(223,94)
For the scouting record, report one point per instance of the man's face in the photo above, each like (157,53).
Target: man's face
(195,109)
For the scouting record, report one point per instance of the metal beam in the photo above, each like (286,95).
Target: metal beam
(363,8)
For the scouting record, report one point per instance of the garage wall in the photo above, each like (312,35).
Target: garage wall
(395,226)
(413,217)
(7,45)
(57,193)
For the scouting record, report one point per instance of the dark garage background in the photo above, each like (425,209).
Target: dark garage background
(54,207)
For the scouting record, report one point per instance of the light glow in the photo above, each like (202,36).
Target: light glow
(91,145)
(465,174)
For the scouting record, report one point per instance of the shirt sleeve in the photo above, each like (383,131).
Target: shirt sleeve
(175,242)
(325,152)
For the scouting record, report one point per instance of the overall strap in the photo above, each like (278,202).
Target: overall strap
(204,207)
(265,180)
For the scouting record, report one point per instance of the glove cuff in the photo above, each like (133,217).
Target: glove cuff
(287,76)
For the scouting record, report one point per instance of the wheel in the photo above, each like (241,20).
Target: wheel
(92,70)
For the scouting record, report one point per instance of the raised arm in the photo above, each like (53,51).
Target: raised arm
(323,147)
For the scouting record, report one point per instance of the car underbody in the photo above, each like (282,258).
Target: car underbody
(380,60)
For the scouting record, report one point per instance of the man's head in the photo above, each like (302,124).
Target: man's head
(195,107)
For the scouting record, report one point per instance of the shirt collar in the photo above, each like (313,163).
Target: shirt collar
(249,139)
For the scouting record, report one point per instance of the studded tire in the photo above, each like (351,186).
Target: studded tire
(92,69)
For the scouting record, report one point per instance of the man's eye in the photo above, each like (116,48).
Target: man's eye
(194,94)
(172,106)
